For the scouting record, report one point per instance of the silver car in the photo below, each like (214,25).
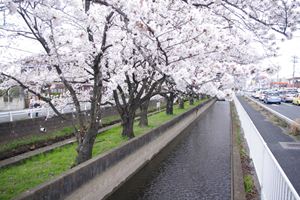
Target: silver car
(272,97)
(288,97)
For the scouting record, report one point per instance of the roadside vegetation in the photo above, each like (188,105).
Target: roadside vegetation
(247,169)
(248,184)
(17,178)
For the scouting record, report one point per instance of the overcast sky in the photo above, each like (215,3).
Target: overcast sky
(289,48)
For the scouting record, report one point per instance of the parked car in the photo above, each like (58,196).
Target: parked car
(272,97)
(288,97)
(256,94)
(262,95)
(296,99)
(282,93)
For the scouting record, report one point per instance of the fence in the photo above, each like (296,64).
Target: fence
(36,112)
(273,181)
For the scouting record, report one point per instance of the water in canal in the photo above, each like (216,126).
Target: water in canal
(195,166)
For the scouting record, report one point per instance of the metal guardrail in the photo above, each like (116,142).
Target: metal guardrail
(273,181)
(277,114)
(11,116)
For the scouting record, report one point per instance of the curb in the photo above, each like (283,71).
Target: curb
(237,181)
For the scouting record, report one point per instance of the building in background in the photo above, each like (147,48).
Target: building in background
(294,82)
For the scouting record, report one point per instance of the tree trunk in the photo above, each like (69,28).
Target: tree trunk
(191,100)
(144,114)
(181,103)
(170,100)
(127,123)
(85,146)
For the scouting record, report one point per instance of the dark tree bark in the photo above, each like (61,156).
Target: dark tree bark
(126,110)
(144,114)
(85,146)
(170,102)
(181,103)
(191,99)
(127,123)
(136,89)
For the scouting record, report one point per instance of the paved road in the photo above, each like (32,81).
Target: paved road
(196,166)
(287,109)
(289,159)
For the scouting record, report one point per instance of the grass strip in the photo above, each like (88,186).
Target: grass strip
(248,183)
(249,186)
(31,172)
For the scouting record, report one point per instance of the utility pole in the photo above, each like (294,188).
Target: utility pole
(295,60)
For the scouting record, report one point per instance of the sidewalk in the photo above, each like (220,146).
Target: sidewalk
(278,142)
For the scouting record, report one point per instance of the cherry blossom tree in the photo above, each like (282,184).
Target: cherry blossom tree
(74,40)
(129,51)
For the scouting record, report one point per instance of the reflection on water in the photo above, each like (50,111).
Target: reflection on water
(17,103)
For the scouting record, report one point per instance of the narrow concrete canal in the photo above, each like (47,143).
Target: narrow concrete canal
(195,166)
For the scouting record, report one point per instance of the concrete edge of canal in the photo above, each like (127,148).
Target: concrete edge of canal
(102,175)
(237,181)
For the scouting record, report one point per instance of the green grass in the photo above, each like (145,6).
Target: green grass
(248,183)
(38,169)
(35,139)
(248,180)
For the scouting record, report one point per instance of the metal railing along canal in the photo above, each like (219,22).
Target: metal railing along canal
(273,181)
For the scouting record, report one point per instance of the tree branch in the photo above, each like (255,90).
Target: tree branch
(45,99)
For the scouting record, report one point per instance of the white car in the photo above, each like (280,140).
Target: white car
(262,95)
(256,95)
